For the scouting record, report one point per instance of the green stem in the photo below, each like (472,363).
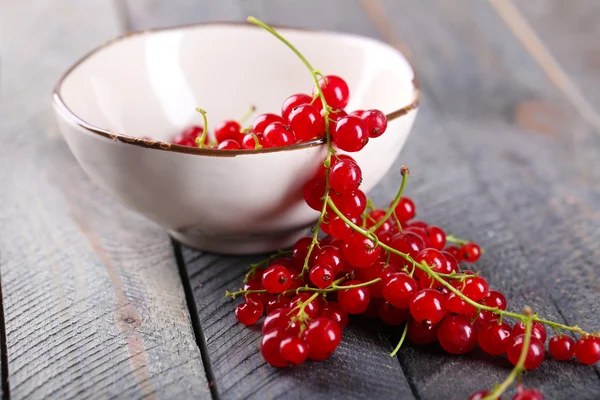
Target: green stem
(519,366)
(253,267)
(257,144)
(393,353)
(452,239)
(247,115)
(202,139)
(392,208)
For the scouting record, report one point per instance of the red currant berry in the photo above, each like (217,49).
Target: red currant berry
(405,210)
(262,121)
(535,353)
(418,231)
(256,284)
(475,288)
(276,279)
(494,337)
(300,249)
(322,335)
(293,350)
(270,346)
(338,228)
(313,192)
(456,305)
(587,350)
(437,237)
(422,333)
(538,330)
(428,305)
(561,347)
(292,102)
(280,319)
(528,394)
(357,113)
(248,142)
(306,122)
(400,289)
(312,309)
(371,273)
(350,134)
(355,300)
(360,251)
(407,243)
(330,256)
(335,90)
(350,205)
(277,302)
(457,335)
(334,312)
(391,315)
(228,130)
(376,122)
(249,313)
(229,144)
(334,116)
(482,394)
(278,135)
(455,251)
(451,263)
(321,276)
(345,176)
(493,299)
(470,252)
(433,258)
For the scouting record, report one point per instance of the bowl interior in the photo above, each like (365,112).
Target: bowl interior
(149,84)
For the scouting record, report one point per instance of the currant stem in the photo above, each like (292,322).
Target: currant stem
(519,367)
(202,139)
(257,144)
(452,239)
(393,353)
(253,267)
(392,208)
(247,114)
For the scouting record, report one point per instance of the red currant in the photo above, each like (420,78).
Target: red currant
(372,311)
(535,353)
(330,256)
(338,228)
(451,263)
(229,144)
(321,276)
(350,134)
(335,90)
(248,142)
(433,258)
(262,121)
(345,176)
(355,300)
(400,289)
(391,315)
(278,135)
(457,335)
(306,122)
(561,347)
(270,346)
(360,251)
(470,252)
(334,312)
(493,299)
(455,251)
(293,350)
(482,394)
(371,273)
(280,319)
(292,102)
(350,205)
(276,279)
(538,330)
(494,337)
(528,394)
(456,305)
(587,350)
(428,305)
(475,288)
(313,192)
(228,130)
(322,335)
(376,122)
(312,309)
(300,249)
(422,333)
(255,284)
(249,313)
(277,302)
(405,210)
(334,116)
(437,237)
(407,243)
(357,113)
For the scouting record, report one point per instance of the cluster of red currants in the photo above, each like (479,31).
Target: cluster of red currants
(301,120)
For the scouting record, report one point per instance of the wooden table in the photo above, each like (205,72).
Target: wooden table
(98,302)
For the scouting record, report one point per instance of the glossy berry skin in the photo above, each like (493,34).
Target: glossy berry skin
(335,90)
(270,347)
(428,305)
(293,350)
(248,142)
(350,205)
(262,121)
(493,337)
(277,302)
(405,210)
(228,130)
(321,276)
(400,289)
(391,315)
(337,228)
(482,394)
(451,262)
(276,279)
(475,288)
(470,252)
(330,256)
(535,354)
(229,144)
(373,272)
(376,122)
(345,176)
(528,394)
(493,299)
(280,318)
(538,330)
(278,135)
(433,258)
(312,309)
(357,113)
(457,335)
(455,251)
(188,136)
(255,284)
(456,305)
(561,347)
(587,350)
(300,249)
(422,333)
(407,243)
(292,102)
(334,116)
(361,252)
(355,300)
(350,134)
(322,335)
(313,192)
(334,312)
(306,122)
(249,313)
(437,237)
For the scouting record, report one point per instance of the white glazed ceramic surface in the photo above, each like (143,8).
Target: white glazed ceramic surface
(148,85)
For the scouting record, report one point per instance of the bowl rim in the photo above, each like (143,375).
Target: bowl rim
(59,103)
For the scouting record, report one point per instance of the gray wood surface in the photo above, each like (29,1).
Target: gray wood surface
(497,154)
(92,296)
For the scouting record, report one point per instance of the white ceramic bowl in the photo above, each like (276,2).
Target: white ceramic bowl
(148,84)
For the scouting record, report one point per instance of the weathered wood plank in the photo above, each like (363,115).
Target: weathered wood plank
(93,301)
(361,367)
(503,159)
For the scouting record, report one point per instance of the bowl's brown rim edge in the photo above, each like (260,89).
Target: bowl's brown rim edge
(166,146)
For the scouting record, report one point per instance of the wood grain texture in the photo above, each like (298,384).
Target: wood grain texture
(93,301)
